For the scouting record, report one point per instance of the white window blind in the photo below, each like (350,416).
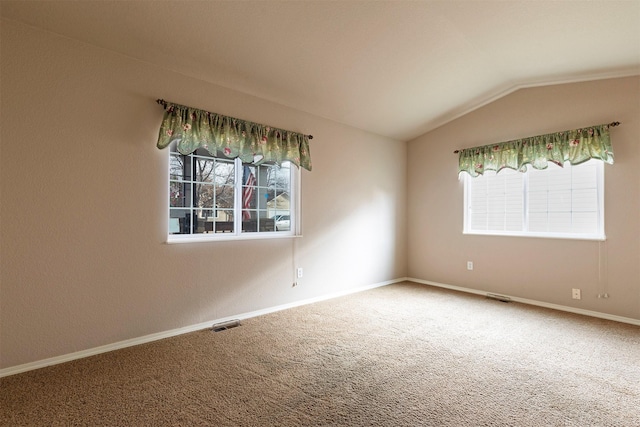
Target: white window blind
(559,202)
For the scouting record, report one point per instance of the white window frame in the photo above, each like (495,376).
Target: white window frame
(598,234)
(294,208)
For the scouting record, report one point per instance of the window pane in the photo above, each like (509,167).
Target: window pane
(496,201)
(560,201)
(584,222)
(585,176)
(538,180)
(478,222)
(224,221)
(263,198)
(204,196)
(559,222)
(278,204)
(538,201)
(513,221)
(224,196)
(180,221)
(495,221)
(204,170)
(538,221)
(280,176)
(264,222)
(176,167)
(258,221)
(203,221)
(585,200)
(282,222)
(557,178)
(224,173)
(177,194)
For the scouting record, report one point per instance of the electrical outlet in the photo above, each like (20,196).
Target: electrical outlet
(575,293)
(299,272)
(469,265)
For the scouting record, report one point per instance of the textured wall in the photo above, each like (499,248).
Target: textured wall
(539,269)
(83,205)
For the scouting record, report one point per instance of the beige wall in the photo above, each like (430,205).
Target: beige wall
(83,206)
(544,270)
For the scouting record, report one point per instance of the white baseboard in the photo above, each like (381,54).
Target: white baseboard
(534,302)
(174,332)
(192,328)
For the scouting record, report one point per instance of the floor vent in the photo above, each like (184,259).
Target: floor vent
(223,326)
(499,297)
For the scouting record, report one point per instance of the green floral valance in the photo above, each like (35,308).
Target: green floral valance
(575,146)
(253,143)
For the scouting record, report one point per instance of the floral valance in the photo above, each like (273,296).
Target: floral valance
(575,146)
(253,143)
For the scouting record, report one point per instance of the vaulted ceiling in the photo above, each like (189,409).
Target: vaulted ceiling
(395,68)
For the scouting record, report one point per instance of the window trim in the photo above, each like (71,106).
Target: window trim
(598,236)
(295,212)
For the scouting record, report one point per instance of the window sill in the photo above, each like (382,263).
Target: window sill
(564,236)
(177,239)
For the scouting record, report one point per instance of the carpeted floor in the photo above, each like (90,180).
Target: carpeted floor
(401,355)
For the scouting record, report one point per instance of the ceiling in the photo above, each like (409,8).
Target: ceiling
(395,68)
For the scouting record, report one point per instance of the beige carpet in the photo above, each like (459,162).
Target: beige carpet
(402,355)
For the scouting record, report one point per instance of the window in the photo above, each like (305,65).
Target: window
(557,202)
(218,198)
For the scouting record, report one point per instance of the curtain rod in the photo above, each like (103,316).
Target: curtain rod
(165,103)
(611,125)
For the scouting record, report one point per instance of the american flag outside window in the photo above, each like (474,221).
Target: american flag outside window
(248,182)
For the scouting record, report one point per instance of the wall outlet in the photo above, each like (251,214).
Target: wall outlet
(299,272)
(469,265)
(575,293)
